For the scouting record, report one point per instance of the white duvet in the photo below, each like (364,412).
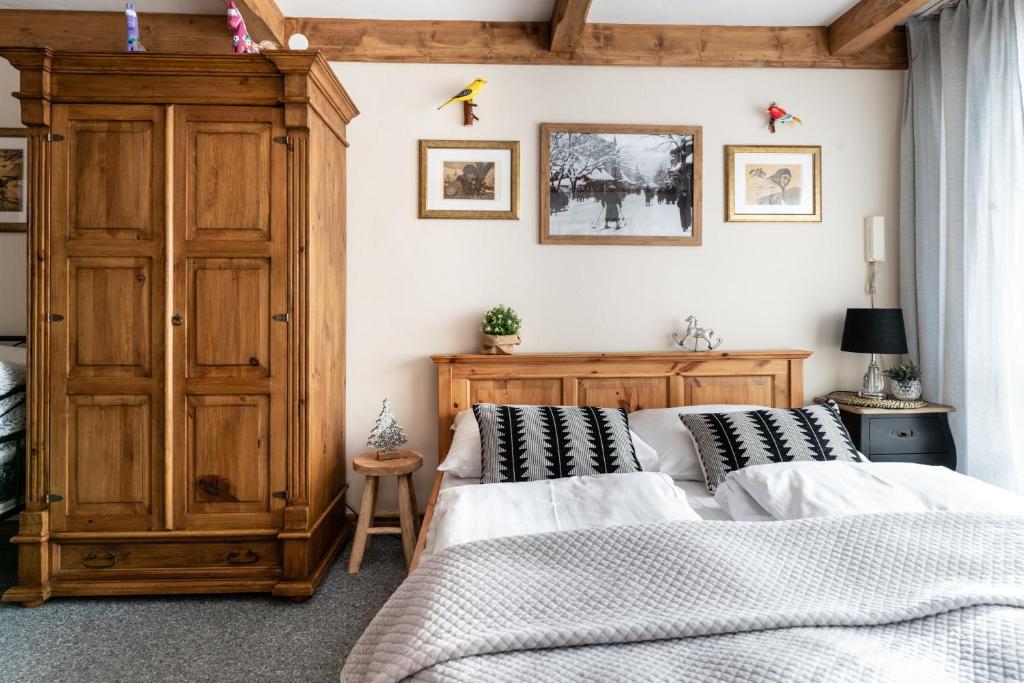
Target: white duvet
(800,490)
(484,511)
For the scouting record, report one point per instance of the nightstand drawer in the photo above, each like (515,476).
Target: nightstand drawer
(936,459)
(906,434)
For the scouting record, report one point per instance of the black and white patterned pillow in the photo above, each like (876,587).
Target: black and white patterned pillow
(730,441)
(528,443)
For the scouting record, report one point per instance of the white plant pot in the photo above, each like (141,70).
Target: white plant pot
(909,390)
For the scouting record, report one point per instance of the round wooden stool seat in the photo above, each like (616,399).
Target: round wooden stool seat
(401,468)
(368,464)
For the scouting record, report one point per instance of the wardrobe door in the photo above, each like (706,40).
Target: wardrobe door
(231,329)
(106,311)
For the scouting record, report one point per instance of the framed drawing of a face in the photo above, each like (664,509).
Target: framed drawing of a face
(469,179)
(620,184)
(769,184)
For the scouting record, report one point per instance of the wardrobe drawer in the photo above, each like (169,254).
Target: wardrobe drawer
(906,434)
(94,557)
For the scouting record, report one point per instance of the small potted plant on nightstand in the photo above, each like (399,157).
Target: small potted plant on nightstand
(499,331)
(906,381)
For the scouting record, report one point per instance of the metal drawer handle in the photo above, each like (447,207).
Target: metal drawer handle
(94,561)
(250,556)
(177,320)
(903,435)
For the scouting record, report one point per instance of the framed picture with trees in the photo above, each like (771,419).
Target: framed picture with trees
(620,184)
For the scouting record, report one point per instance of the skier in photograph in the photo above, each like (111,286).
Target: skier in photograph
(612,200)
(648,195)
(685,200)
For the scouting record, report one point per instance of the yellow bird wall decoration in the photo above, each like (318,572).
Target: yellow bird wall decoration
(466,94)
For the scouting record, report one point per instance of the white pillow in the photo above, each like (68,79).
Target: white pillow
(475,513)
(463,459)
(799,490)
(664,431)
(739,504)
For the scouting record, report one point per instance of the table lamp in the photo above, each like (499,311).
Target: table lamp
(874,331)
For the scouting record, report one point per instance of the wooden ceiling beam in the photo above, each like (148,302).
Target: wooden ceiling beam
(867,22)
(264,20)
(568,19)
(474,42)
(105,31)
(464,42)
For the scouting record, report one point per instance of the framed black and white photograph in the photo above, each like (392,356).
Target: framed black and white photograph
(620,184)
(772,184)
(469,179)
(13,166)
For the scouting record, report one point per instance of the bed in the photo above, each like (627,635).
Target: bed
(632,381)
(846,598)
(12,426)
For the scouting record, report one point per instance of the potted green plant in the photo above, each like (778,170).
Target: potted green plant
(905,381)
(500,331)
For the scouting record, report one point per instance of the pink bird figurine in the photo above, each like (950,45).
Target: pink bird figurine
(240,41)
(777,114)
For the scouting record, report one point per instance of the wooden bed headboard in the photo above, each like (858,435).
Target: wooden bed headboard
(628,380)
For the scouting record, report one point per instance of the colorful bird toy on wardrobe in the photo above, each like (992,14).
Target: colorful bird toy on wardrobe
(131,18)
(240,41)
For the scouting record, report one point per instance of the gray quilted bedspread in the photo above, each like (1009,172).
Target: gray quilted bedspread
(12,398)
(886,597)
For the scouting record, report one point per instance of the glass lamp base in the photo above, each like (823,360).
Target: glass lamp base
(869,394)
(874,386)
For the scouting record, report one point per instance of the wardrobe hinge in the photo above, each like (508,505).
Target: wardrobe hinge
(54,317)
(281,317)
(283,140)
(283,495)
(52,498)
(54,137)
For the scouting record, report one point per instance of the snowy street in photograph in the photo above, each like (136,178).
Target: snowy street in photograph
(657,220)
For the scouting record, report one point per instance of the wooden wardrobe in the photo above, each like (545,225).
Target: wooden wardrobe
(186,383)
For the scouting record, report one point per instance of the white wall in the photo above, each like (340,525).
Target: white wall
(418,287)
(12,245)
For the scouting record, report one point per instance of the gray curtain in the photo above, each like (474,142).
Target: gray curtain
(962,226)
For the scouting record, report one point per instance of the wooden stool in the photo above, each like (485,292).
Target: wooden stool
(402,468)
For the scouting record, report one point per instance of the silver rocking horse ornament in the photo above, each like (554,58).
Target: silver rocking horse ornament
(691,340)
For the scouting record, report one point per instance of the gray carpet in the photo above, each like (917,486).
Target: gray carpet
(204,638)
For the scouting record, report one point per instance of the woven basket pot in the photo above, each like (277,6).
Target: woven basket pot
(498,344)
(909,390)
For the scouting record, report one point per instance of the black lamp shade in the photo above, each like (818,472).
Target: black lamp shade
(874,330)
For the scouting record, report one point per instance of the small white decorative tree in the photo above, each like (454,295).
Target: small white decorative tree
(387,434)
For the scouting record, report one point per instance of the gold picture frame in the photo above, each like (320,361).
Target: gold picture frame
(478,171)
(13,180)
(774,179)
(652,214)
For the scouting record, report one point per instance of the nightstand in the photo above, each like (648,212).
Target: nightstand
(918,435)
(401,468)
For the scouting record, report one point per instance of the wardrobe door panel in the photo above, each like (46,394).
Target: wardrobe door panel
(229,317)
(231,292)
(228,189)
(228,455)
(100,149)
(109,463)
(106,311)
(109,317)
